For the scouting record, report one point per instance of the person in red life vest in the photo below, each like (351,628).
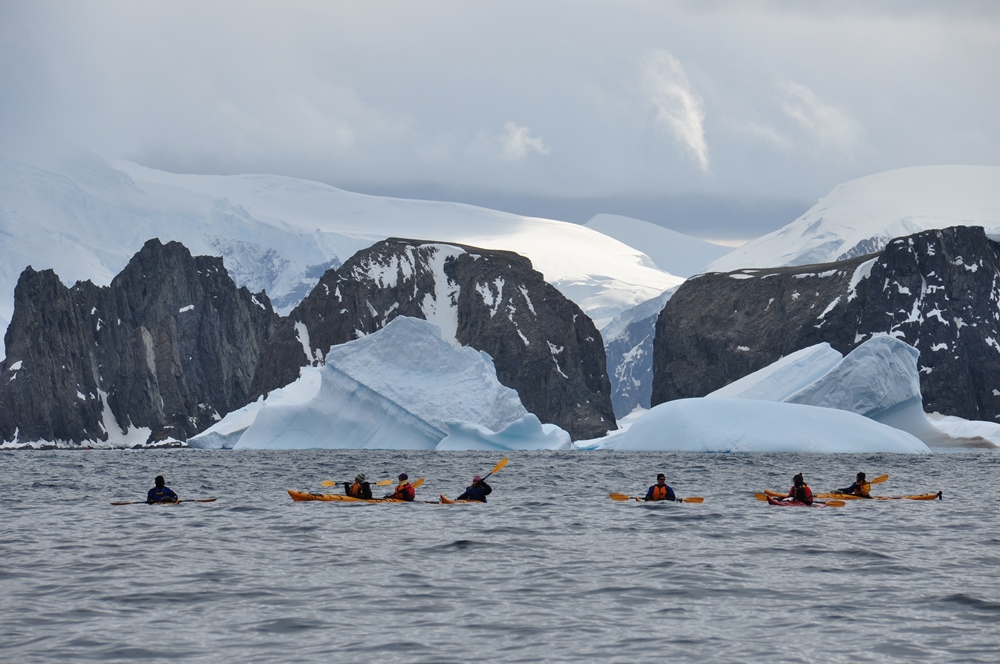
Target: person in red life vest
(800,491)
(405,490)
(359,488)
(660,490)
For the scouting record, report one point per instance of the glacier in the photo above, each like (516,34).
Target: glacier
(859,217)
(86,217)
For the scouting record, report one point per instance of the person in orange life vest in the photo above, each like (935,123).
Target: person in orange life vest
(861,487)
(405,490)
(359,488)
(800,491)
(660,490)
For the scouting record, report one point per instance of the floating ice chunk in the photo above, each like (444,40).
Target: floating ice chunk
(528,433)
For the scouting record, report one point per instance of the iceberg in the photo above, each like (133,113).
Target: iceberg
(404,387)
(745,425)
(879,379)
(227,432)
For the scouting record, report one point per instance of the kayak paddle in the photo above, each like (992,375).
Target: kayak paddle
(335,483)
(622,496)
(878,480)
(189,500)
(497,468)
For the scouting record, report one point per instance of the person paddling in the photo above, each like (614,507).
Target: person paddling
(660,490)
(359,488)
(404,490)
(477,491)
(161,493)
(861,487)
(800,491)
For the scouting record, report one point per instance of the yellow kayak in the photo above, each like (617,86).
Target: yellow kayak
(300,496)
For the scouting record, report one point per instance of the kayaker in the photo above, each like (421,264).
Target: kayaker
(161,493)
(359,488)
(800,491)
(660,490)
(477,491)
(861,487)
(404,490)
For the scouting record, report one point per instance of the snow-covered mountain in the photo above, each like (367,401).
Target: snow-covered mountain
(675,252)
(86,218)
(860,217)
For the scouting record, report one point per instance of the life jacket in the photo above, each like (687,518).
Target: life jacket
(405,491)
(355,490)
(660,492)
(862,489)
(803,494)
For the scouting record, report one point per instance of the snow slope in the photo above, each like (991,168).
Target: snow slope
(86,218)
(743,425)
(675,252)
(404,387)
(860,216)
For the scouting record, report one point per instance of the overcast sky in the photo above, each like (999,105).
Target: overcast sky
(723,119)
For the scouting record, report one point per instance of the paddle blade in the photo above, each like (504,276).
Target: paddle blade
(131,502)
(693,499)
(619,496)
(199,500)
(835,503)
(879,479)
(760,496)
(328,483)
(497,468)
(418,483)
(384,482)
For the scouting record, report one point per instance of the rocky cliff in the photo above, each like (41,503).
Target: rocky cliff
(937,290)
(164,351)
(542,344)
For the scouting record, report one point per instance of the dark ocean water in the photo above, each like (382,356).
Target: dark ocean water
(549,570)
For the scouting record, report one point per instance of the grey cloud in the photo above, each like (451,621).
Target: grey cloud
(787,99)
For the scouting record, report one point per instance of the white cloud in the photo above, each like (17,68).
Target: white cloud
(828,127)
(678,108)
(516,143)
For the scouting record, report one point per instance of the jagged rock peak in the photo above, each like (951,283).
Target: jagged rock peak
(162,352)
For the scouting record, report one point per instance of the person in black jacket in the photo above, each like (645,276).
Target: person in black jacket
(359,488)
(161,493)
(477,491)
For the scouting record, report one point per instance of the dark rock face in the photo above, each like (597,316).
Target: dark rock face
(937,290)
(542,344)
(171,345)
